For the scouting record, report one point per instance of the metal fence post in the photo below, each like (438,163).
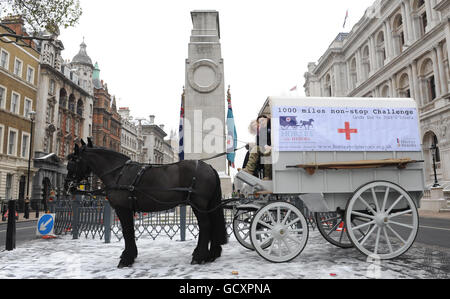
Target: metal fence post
(107,217)
(76,206)
(183,223)
(11,229)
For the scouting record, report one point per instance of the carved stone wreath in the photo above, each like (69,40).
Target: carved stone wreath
(204,76)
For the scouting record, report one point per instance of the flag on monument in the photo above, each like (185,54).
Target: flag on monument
(181,130)
(294,88)
(231,134)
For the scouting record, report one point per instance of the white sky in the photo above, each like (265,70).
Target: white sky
(141,47)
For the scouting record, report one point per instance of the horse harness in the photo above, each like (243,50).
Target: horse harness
(132,188)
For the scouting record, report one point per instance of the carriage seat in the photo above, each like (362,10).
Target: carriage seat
(249,184)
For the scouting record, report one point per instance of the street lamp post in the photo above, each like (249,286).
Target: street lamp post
(434,149)
(32,115)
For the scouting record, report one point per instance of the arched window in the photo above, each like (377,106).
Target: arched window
(385,91)
(80,107)
(428,81)
(327,86)
(366,62)
(72,103)
(63,98)
(353,73)
(421,16)
(403,87)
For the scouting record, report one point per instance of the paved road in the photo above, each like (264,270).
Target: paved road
(432,232)
(25,231)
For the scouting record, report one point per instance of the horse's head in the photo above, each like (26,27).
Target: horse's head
(78,169)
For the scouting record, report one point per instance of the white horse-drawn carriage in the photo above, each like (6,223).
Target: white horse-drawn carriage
(356,163)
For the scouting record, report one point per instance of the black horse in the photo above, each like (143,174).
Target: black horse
(133,187)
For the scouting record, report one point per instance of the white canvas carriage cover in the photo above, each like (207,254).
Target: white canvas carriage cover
(344,124)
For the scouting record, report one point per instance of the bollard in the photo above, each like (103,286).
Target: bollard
(11,229)
(183,223)
(76,208)
(26,209)
(107,217)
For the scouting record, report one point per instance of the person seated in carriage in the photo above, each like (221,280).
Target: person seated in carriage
(260,154)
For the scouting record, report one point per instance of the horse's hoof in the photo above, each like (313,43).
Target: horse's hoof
(123,264)
(195,262)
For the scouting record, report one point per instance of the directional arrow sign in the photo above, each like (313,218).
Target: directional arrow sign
(45,225)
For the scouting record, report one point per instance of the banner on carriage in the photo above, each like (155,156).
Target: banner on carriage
(345,129)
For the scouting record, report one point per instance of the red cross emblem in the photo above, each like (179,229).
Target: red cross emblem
(347,131)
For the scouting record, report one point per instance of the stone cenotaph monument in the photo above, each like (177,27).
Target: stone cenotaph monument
(205,122)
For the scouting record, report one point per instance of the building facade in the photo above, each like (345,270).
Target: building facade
(19,77)
(64,113)
(131,141)
(107,128)
(156,150)
(398,49)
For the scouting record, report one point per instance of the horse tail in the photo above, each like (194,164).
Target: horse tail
(219,234)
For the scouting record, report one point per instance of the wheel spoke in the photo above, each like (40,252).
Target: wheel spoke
(368,235)
(265,224)
(364,225)
(362,215)
(330,219)
(286,217)
(333,229)
(293,239)
(270,217)
(394,204)
(299,230)
(278,214)
(399,214)
(367,205)
(387,240)
(395,233)
(287,245)
(294,221)
(375,199)
(402,224)
(383,208)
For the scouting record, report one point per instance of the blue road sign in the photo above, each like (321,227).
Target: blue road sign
(45,224)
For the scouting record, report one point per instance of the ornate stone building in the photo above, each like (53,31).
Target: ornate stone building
(399,48)
(63,115)
(107,128)
(131,141)
(19,74)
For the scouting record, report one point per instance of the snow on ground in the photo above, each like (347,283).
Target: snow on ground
(170,259)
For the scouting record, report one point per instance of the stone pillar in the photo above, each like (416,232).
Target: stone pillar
(406,9)
(437,77)
(349,78)
(414,75)
(411,82)
(443,82)
(447,38)
(373,57)
(429,15)
(388,40)
(205,123)
(394,90)
(359,70)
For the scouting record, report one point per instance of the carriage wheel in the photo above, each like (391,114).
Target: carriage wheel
(241,228)
(332,227)
(279,232)
(390,213)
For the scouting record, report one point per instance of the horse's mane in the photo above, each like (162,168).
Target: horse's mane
(107,151)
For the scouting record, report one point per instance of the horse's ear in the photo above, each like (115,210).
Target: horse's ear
(77,149)
(83,143)
(90,144)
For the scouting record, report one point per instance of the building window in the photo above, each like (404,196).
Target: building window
(28,106)
(366,63)
(25,145)
(67,124)
(18,67)
(431,84)
(399,34)
(12,142)
(2,97)
(15,102)
(4,59)
(51,88)
(30,75)
(353,74)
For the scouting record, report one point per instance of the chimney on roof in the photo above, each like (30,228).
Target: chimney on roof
(152,119)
